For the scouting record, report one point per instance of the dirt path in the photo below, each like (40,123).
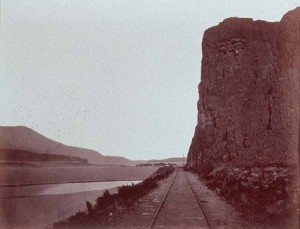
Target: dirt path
(180,208)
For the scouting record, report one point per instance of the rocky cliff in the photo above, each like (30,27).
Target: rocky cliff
(248,110)
(246,142)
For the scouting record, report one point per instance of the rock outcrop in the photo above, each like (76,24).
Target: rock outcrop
(248,110)
(246,142)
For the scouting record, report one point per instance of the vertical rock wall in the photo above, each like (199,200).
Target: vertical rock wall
(248,110)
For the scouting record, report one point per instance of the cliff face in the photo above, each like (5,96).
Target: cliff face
(248,110)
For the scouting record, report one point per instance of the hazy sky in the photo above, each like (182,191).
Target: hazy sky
(119,77)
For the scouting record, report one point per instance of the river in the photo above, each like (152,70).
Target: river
(36,206)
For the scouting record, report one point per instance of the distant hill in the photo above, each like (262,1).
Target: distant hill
(169,160)
(22,156)
(173,160)
(26,139)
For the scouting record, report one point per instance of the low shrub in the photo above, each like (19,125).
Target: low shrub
(263,192)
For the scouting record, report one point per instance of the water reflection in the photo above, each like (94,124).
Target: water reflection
(55,189)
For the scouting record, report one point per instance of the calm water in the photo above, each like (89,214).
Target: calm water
(39,206)
(55,189)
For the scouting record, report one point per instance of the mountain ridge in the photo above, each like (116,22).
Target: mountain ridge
(27,139)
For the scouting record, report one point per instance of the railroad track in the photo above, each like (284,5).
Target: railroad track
(208,222)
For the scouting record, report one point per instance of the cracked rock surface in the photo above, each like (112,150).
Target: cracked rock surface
(248,110)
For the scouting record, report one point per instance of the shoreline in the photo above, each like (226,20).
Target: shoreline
(59,207)
(70,182)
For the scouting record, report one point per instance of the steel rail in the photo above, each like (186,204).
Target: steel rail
(163,201)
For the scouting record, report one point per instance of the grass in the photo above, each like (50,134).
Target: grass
(107,204)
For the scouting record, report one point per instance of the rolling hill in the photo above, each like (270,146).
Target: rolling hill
(24,138)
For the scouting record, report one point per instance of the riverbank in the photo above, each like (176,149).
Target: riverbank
(38,210)
(109,204)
